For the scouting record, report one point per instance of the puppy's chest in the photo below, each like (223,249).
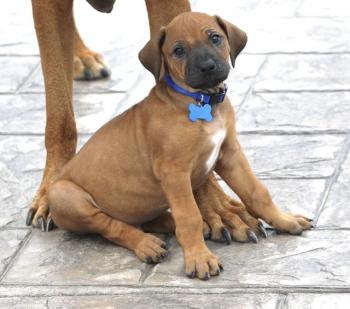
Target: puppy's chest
(215,141)
(211,141)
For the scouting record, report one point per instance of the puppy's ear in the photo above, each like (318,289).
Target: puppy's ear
(237,38)
(151,54)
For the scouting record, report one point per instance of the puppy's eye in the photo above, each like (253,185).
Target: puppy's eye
(215,39)
(179,51)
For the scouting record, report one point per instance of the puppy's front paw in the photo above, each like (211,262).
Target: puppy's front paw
(151,249)
(201,263)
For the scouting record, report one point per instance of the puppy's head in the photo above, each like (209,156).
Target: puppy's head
(195,49)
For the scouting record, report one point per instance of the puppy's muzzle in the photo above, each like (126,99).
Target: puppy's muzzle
(205,69)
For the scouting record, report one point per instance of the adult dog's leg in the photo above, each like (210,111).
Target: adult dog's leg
(54,26)
(161,12)
(88,65)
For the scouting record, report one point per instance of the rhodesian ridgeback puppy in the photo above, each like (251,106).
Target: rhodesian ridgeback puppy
(64,56)
(156,154)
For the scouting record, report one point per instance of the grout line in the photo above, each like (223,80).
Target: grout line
(15,255)
(20,56)
(301,90)
(14,228)
(29,76)
(344,151)
(150,269)
(296,53)
(295,132)
(250,89)
(282,301)
(241,133)
(296,12)
(23,290)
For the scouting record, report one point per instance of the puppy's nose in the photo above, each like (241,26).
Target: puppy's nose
(207,66)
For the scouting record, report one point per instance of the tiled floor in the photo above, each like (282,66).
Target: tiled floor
(291,90)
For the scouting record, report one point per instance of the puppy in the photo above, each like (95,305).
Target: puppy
(157,153)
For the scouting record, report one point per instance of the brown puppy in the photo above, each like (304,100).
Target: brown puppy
(152,156)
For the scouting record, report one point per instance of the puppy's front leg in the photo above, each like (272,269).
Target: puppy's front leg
(199,261)
(234,168)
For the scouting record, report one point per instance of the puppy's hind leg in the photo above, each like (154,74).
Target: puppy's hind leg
(74,209)
(165,224)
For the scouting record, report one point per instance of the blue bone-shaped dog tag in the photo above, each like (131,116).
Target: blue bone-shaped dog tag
(199,112)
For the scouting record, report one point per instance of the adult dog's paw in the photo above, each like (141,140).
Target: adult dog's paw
(89,65)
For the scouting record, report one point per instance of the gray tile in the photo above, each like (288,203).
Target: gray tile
(14,71)
(298,35)
(299,196)
(21,163)
(306,111)
(10,241)
(317,259)
(168,300)
(324,8)
(247,9)
(17,34)
(108,32)
(263,21)
(318,301)
(125,70)
(304,72)
(22,159)
(23,303)
(336,212)
(242,77)
(292,156)
(62,258)
(26,113)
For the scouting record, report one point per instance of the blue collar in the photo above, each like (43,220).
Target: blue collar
(199,97)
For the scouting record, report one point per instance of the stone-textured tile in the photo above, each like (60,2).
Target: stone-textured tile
(26,113)
(298,35)
(10,240)
(17,35)
(305,111)
(125,70)
(263,21)
(300,196)
(21,163)
(292,156)
(22,159)
(242,76)
(62,258)
(23,303)
(318,301)
(109,32)
(170,301)
(304,72)
(318,258)
(336,212)
(247,9)
(324,8)
(14,71)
